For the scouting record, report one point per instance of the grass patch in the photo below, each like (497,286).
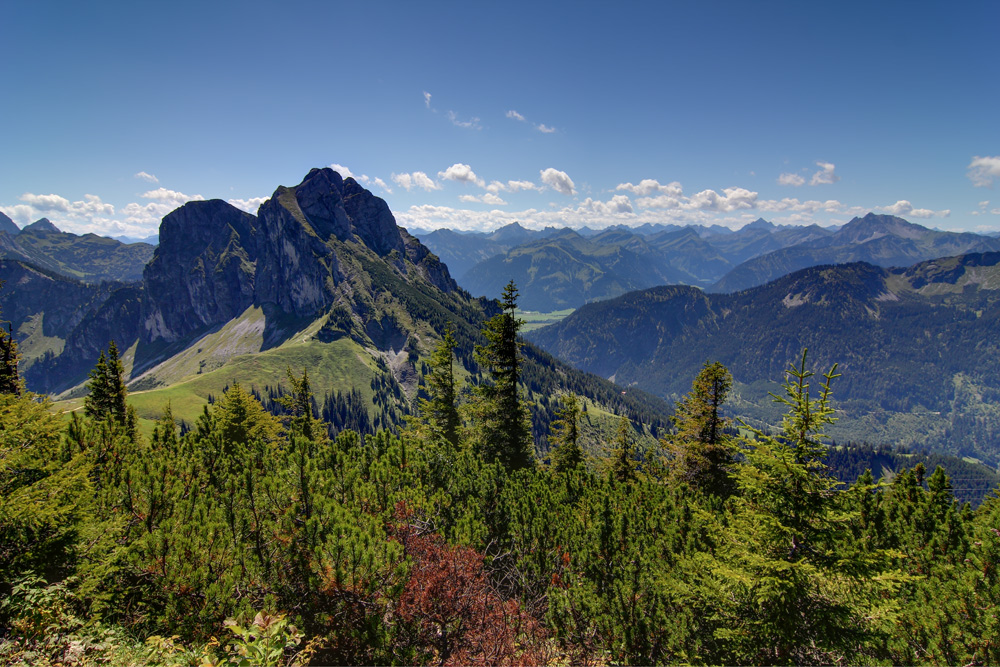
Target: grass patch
(535,320)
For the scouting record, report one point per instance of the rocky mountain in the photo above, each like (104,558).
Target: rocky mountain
(460,251)
(202,272)
(565,269)
(43,306)
(917,346)
(322,278)
(7,225)
(89,257)
(883,240)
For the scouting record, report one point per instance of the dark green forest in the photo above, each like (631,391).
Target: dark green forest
(256,538)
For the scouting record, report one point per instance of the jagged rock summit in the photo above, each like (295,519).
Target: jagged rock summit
(298,256)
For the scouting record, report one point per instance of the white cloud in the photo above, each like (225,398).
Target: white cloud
(21,213)
(515,186)
(488,198)
(513,115)
(545,129)
(461,173)
(471,124)
(342,170)
(731,199)
(510,186)
(904,208)
(619,204)
(984,171)
(793,204)
(249,205)
(825,175)
(649,186)
(427,99)
(171,198)
(791,179)
(46,202)
(379,182)
(147,177)
(89,206)
(558,181)
(417,179)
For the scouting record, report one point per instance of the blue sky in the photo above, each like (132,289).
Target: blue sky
(473,115)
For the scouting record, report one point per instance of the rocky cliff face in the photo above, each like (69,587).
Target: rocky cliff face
(202,273)
(302,232)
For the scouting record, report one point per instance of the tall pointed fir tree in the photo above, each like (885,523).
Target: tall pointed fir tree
(501,423)
(107,397)
(565,438)
(702,455)
(10,378)
(440,409)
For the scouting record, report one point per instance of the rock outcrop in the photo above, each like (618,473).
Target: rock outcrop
(202,272)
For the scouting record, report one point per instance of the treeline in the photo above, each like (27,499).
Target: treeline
(257,539)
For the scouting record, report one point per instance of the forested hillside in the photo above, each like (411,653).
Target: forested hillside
(919,346)
(262,540)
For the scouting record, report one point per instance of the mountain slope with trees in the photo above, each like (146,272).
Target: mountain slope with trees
(89,257)
(918,345)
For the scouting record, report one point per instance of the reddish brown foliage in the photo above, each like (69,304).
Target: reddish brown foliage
(454,612)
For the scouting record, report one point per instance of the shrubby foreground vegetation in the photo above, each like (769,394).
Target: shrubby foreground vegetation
(258,540)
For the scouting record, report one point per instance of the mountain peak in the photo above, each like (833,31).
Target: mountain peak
(761,223)
(7,225)
(42,225)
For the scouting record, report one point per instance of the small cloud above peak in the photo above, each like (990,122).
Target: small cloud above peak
(513,115)
(984,171)
(462,173)
(558,181)
(149,178)
(825,175)
(342,170)
(793,180)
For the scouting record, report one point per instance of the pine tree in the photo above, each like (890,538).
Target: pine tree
(702,455)
(503,427)
(566,453)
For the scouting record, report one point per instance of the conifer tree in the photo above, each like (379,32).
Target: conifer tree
(787,593)
(10,379)
(566,453)
(107,398)
(440,408)
(702,455)
(299,403)
(503,427)
(624,457)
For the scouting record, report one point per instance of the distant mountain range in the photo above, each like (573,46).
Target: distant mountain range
(561,268)
(89,258)
(918,347)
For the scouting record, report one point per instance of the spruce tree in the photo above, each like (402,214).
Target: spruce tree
(502,424)
(623,460)
(440,408)
(10,379)
(702,455)
(107,397)
(566,453)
